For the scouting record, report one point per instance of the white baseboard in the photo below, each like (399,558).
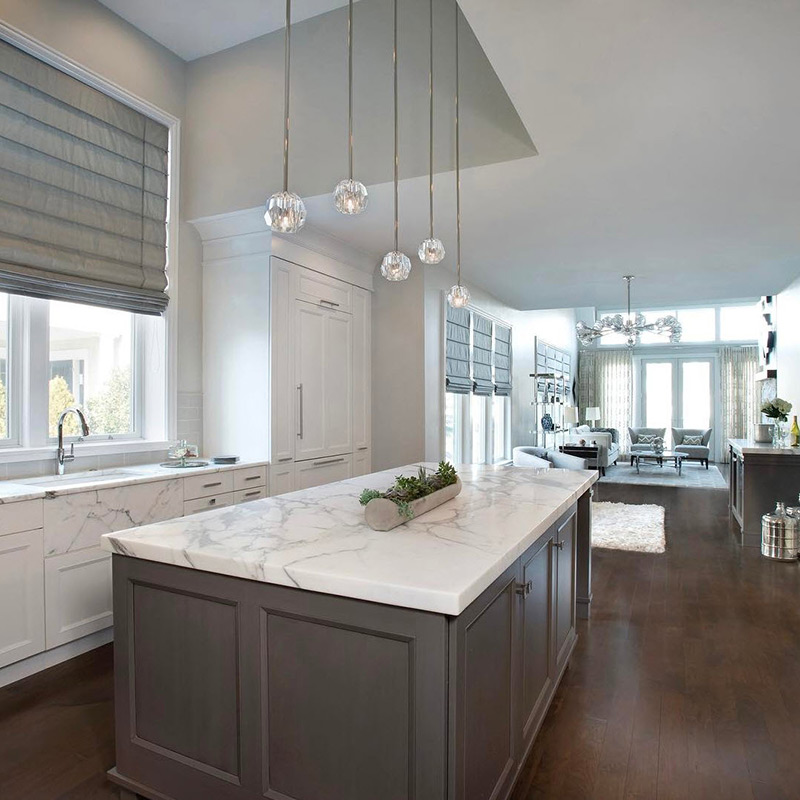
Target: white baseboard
(49,658)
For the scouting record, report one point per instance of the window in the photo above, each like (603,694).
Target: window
(501,427)
(477,418)
(699,324)
(4,373)
(739,323)
(91,366)
(477,429)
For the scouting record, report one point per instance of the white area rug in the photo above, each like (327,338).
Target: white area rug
(621,526)
(693,476)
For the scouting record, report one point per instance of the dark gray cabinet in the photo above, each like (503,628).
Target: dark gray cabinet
(239,690)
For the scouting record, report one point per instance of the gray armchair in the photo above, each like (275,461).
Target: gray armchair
(638,446)
(694,452)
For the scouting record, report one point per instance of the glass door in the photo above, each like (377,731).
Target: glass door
(677,393)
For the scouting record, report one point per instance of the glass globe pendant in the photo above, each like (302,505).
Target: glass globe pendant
(350,196)
(458,296)
(286,211)
(431,251)
(396,265)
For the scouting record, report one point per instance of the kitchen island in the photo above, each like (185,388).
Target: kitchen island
(283,649)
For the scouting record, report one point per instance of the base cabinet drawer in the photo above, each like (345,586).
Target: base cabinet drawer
(21,596)
(281,479)
(249,477)
(207,503)
(247,495)
(78,598)
(207,485)
(308,474)
(362,463)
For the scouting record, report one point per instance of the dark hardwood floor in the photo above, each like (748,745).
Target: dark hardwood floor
(684,684)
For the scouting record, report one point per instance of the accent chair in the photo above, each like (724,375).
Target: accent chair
(697,448)
(639,438)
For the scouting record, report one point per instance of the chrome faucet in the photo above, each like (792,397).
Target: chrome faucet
(61,455)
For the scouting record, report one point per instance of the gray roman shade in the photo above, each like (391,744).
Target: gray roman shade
(502,361)
(83,191)
(481,356)
(457,351)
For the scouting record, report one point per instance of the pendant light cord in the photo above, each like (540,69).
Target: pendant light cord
(396,138)
(287,56)
(350,87)
(430,90)
(458,166)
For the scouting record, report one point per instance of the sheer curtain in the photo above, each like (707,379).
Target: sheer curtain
(740,409)
(605,379)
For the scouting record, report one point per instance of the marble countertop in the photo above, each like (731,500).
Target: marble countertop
(316,539)
(746,446)
(72,483)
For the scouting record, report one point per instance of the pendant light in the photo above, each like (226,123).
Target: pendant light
(458,296)
(286,212)
(431,251)
(395,266)
(350,196)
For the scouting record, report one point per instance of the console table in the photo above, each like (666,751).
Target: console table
(590,452)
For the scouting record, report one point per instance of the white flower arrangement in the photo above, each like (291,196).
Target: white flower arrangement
(777,409)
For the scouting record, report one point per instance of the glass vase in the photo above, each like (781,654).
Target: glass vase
(779,434)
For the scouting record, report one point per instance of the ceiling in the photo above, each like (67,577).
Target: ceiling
(667,134)
(195,28)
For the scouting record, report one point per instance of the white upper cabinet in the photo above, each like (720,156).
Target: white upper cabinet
(282,409)
(323,347)
(362,378)
(322,290)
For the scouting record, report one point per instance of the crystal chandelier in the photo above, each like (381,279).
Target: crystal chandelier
(350,196)
(631,326)
(431,251)
(286,212)
(458,296)
(396,265)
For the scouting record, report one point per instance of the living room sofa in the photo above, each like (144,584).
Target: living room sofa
(530,456)
(694,452)
(607,440)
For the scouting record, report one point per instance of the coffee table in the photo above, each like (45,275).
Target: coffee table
(659,458)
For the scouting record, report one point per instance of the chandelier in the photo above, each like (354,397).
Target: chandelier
(631,326)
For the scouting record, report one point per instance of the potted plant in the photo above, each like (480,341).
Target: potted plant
(777,410)
(410,496)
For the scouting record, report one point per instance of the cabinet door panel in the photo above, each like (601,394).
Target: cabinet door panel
(310,325)
(536,633)
(362,381)
(566,535)
(281,479)
(327,470)
(282,400)
(21,596)
(337,365)
(362,463)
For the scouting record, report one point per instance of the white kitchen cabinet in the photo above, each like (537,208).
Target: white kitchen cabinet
(362,372)
(281,479)
(323,345)
(323,290)
(282,393)
(248,495)
(248,477)
(78,598)
(21,595)
(323,470)
(207,485)
(362,462)
(207,503)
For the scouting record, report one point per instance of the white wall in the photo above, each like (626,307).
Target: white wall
(788,344)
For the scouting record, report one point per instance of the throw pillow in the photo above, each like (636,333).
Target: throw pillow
(692,440)
(646,439)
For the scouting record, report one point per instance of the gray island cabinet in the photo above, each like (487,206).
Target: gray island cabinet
(284,650)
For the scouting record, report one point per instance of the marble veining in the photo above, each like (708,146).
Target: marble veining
(316,539)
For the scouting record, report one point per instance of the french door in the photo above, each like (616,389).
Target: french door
(677,393)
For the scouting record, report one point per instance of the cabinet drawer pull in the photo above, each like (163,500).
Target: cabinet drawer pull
(252,477)
(212,501)
(524,588)
(329,461)
(211,485)
(363,447)
(252,494)
(300,392)
(329,303)
(288,458)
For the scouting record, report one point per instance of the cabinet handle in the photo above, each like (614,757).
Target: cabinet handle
(524,588)
(559,545)
(288,458)
(363,447)
(330,461)
(212,501)
(211,485)
(252,494)
(329,303)
(300,391)
(252,477)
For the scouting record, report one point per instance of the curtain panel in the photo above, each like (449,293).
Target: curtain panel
(457,351)
(739,401)
(83,191)
(482,380)
(502,361)
(605,380)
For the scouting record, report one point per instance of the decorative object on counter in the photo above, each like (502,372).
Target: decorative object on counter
(396,265)
(183,455)
(286,211)
(431,251)
(778,410)
(763,432)
(225,459)
(458,296)
(350,196)
(779,535)
(410,497)
(631,326)
(794,433)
